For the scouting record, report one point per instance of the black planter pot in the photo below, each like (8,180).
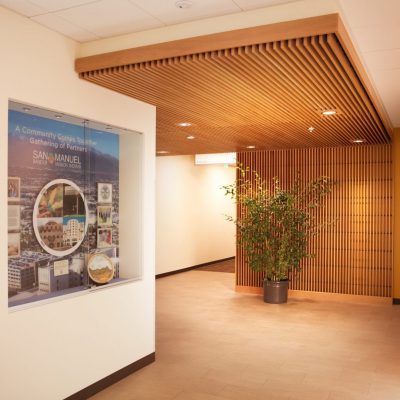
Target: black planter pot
(276,292)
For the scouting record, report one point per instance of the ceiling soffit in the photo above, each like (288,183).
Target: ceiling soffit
(263,93)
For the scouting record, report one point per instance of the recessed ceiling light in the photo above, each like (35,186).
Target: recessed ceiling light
(329,112)
(58,116)
(190,137)
(250,147)
(358,141)
(184,124)
(162,152)
(183,4)
(26,109)
(311,129)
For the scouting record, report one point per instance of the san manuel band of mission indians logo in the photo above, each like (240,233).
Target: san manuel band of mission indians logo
(42,150)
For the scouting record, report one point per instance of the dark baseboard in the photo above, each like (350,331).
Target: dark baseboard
(178,271)
(113,378)
(396,302)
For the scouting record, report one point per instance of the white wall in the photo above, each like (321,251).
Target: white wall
(54,350)
(190,206)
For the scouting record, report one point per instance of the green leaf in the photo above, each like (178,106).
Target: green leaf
(275,224)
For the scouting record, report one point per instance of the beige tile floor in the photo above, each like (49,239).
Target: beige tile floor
(215,344)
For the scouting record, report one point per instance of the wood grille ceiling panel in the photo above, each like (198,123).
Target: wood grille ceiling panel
(265,94)
(354,253)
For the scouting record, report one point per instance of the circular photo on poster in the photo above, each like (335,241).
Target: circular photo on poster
(100,268)
(60,217)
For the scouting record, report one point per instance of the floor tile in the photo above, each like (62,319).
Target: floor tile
(215,344)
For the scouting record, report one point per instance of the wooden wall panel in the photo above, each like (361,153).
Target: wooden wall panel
(354,252)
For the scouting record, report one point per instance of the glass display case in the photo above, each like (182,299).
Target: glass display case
(74,205)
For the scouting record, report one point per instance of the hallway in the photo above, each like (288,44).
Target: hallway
(215,344)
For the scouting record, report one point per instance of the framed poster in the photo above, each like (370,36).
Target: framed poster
(104,215)
(14,188)
(61,267)
(104,237)
(104,193)
(14,217)
(14,245)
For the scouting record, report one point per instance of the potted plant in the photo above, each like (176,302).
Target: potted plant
(274,225)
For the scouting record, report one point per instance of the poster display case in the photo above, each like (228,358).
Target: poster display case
(74,205)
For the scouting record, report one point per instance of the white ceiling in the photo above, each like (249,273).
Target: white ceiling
(86,20)
(374,26)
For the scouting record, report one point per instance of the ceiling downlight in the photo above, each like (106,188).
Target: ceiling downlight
(329,112)
(358,141)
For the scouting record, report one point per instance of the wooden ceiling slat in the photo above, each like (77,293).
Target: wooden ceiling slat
(146,88)
(190,88)
(219,85)
(224,62)
(122,87)
(267,75)
(303,50)
(343,63)
(330,99)
(264,94)
(342,78)
(296,50)
(196,97)
(248,88)
(303,87)
(191,83)
(300,96)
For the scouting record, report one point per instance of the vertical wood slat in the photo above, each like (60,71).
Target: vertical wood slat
(354,253)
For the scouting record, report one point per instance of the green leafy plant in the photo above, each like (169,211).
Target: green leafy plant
(275,224)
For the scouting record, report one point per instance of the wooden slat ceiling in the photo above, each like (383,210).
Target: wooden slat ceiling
(266,94)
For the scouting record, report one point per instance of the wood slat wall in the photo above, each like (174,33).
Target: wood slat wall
(354,253)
